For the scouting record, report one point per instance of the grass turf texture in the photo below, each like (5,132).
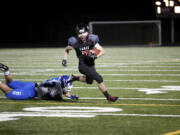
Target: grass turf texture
(133,67)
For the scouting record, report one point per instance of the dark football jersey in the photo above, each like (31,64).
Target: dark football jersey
(82,48)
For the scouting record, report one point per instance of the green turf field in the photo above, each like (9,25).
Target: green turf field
(147,81)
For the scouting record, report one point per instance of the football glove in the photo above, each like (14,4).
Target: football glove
(92,55)
(74,97)
(64,62)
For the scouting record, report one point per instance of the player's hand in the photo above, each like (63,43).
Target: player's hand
(92,55)
(74,97)
(64,62)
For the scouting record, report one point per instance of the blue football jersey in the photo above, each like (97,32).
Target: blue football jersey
(53,88)
(60,80)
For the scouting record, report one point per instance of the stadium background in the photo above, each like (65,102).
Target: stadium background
(50,25)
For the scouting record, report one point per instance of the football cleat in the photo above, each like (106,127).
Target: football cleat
(3,67)
(112,98)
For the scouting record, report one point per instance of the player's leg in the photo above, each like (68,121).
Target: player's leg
(21,90)
(82,69)
(101,85)
(77,78)
(91,75)
(4,88)
(102,88)
(8,78)
(6,71)
(27,92)
(16,89)
(82,79)
(87,72)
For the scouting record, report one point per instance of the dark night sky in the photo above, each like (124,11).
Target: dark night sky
(52,22)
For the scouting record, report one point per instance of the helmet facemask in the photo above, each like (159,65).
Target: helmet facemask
(82,31)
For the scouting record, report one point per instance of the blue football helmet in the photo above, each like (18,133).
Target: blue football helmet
(66,86)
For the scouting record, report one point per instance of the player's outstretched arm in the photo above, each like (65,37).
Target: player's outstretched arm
(68,95)
(66,52)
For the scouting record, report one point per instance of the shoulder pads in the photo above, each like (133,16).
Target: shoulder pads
(72,41)
(93,38)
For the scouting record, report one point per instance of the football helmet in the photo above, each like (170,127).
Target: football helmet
(81,28)
(66,86)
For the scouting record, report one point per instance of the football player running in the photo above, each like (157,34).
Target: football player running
(51,89)
(83,44)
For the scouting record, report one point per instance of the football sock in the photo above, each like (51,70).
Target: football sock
(106,94)
(6,73)
(74,78)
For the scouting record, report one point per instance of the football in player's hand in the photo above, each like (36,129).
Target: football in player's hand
(95,51)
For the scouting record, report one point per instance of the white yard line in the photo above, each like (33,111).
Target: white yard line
(142,80)
(53,74)
(101,66)
(112,88)
(140,74)
(139,99)
(111,62)
(146,99)
(73,112)
(139,81)
(75,69)
(143,115)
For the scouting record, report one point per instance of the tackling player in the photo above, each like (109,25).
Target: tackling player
(51,89)
(83,44)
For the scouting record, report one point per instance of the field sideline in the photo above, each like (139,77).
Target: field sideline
(147,81)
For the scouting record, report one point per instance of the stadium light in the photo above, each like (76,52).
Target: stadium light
(158,3)
(167,8)
(171,3)
(166,3)
(159,10)
(177,9)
